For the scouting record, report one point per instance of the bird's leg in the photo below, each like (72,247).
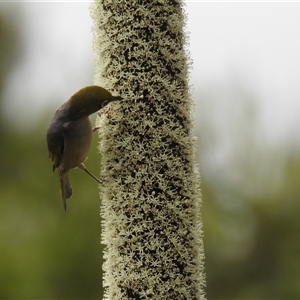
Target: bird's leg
(82,167)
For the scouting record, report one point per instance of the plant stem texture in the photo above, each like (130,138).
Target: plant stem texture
(151,185)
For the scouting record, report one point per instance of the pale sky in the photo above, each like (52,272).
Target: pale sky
(254,44)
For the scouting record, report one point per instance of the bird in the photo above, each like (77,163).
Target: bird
(69,134)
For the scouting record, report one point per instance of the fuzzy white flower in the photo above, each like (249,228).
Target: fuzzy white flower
(150,194)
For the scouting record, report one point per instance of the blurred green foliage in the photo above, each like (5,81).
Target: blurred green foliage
(45,253)
(251,225)
(251,205)
(252,249)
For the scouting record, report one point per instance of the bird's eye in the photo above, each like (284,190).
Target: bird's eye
(105,102)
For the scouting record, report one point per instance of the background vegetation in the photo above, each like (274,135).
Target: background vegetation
(250,207)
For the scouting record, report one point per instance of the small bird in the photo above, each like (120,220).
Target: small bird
(69,134)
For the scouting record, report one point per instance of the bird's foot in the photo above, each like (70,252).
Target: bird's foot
(82,167)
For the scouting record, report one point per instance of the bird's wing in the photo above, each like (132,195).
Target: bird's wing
(56,146)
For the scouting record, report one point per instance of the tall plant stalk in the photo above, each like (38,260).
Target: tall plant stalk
(151,185)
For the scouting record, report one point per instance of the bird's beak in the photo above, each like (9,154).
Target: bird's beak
(116,98)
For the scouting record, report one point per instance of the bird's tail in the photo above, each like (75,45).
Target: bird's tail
(66,189)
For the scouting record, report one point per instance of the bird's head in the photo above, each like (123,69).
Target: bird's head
(88,100)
